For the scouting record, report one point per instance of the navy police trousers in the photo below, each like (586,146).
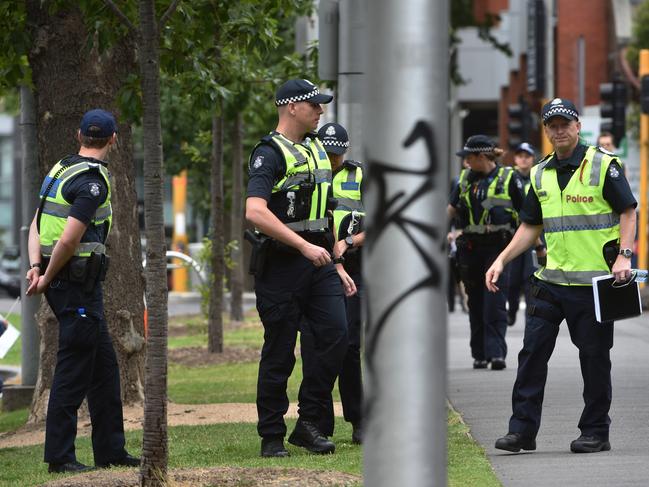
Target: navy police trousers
(86,366)
(550,304)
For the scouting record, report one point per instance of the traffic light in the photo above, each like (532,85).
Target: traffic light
(519,126)
(612,109)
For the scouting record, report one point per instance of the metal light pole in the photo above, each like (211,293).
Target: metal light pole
(31,184)
(405,136)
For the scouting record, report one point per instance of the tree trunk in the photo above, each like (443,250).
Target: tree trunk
(154,445)
(215,314)
(236,221)
(68,81)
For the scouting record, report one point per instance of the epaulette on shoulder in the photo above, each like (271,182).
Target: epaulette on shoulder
(546,158)
(353,164)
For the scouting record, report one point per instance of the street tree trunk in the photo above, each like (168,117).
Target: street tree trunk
(217,264)
(236,221)
(153,471)
(68,81)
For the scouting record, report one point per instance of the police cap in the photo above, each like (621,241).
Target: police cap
(476,144)
(296,90)
(334,138)
(525,147)
(98,123)
(559,107)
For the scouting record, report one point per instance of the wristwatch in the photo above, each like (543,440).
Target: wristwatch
(349,240)
(628,253)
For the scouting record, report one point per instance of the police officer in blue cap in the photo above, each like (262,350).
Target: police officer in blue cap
(485,202)
(68,262)
(522,267)
(296,283)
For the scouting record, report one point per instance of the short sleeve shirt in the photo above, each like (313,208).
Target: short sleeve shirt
(267,166)
(616,187)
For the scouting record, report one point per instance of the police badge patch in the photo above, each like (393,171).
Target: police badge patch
(614,173)
(259,160)
(94,189)
(330,130)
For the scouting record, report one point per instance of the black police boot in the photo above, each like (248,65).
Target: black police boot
(69,467)
(307,435)
(273,448)
(357,433)
(480,364)
(589,444)
(498,363)
(127,461)
(515,442)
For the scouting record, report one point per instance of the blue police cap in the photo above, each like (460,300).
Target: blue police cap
(559,107)
(525,147)
(334,138)
(98,123)
(296,90)
(476,144)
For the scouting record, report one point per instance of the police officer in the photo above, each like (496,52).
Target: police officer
(288,196)
(582,201)
(66,242)
(522,267)
(347,224)
(485,202)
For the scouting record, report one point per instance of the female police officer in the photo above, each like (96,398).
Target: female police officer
(485,203)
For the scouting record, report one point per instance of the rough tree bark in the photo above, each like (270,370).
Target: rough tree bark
(69,80)
(217,264)
(154,446)
(236,220)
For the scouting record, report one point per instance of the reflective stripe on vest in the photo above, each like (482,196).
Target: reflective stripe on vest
(63,211)
(83,249)
(306,163)
(578,221)
(487,228)
(347,192)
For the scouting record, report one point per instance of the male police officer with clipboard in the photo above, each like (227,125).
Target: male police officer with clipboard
(582,201)
(288,195)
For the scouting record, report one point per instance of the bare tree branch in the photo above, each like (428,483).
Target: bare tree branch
(167,14)
(121,15)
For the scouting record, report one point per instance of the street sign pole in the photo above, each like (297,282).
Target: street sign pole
(406,118)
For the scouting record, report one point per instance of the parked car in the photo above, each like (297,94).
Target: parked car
(10,271)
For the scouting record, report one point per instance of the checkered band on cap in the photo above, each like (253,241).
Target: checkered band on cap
(466,148)
(335,143)
(559,110)
(295,99)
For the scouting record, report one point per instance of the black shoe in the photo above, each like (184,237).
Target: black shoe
(127,461)
(480,364)
(511,319)
(68,467)
(515,442)
(307,435)
(357,433)
(589,444)
(498,363)
(273,448)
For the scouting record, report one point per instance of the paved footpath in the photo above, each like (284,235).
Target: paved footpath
(483,397)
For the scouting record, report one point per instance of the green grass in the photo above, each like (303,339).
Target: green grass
(234,444)
(10,421)
(193,446)
(467,463)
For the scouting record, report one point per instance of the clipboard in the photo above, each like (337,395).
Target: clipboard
(615,301)
(8,338)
